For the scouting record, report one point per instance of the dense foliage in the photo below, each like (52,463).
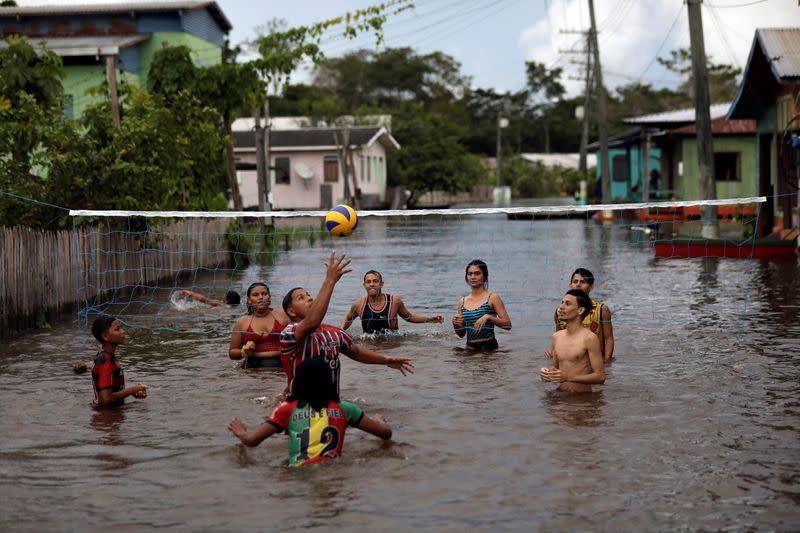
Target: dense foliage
(173,148)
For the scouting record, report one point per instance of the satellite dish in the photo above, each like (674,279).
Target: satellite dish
(303,171)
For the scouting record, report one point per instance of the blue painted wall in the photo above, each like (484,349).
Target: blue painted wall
(632,189)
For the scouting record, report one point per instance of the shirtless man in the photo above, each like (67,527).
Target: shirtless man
(577,362)
(379,311)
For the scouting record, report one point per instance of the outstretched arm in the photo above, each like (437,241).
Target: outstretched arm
(335,269)
(608,334)
(408,316)
(254,437)
(376,425)
(352,314)
(202,298)
(365,355)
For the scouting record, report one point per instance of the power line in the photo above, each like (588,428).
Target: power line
(439,37)
(437,24)
(722,6)
(718,23)
(666,38)
(411,17)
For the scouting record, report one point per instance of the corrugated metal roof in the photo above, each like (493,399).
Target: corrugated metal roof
(86,46)
(121,7)
(678,116)
(782,48)
(562,160)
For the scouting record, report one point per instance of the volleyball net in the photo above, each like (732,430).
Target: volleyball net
(159,270)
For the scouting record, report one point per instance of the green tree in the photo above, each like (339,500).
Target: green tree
(23,71)
(544,90)
(433,157)
(722,79)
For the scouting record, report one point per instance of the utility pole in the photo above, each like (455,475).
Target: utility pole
(702,105)
(342,148)
(262,170)
(602,111)
(111,74)
(267,180)
(499,152)
(647,147)
(587,98)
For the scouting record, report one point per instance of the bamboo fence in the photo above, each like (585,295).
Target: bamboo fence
(43,273)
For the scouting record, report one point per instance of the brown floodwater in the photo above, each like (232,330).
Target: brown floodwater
(696,428)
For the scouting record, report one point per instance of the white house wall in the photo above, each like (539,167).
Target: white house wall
(301,193)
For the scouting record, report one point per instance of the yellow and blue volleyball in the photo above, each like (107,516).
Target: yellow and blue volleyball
(341,220)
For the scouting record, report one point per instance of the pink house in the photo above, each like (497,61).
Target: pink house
(305,170)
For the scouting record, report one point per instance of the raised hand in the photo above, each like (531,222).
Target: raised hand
(336,267)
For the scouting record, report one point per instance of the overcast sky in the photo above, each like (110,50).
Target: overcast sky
(492,39)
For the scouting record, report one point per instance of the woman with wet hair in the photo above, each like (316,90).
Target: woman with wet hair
(480,311)
(256,335)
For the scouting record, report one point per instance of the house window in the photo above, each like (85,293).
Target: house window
(726,166)
(331,168)
(619,167)
(282,171)
(363,177)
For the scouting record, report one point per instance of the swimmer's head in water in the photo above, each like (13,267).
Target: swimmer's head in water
(232,298)
(582,279)
(472,269)
(583,301)
(313,384)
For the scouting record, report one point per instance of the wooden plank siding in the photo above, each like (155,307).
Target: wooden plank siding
(43,273)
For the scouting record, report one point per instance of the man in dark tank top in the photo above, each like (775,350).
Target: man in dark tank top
(379,311)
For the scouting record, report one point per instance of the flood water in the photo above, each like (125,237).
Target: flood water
(696,428)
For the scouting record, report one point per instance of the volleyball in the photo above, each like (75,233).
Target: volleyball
(341,220)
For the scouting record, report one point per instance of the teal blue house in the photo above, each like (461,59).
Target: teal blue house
(631,177)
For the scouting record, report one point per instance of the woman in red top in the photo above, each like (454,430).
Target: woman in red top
(256,335)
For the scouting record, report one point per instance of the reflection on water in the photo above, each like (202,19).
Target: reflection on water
(576,410)
(696,428)
(108,422)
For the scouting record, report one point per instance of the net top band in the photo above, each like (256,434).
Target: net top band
(421,212)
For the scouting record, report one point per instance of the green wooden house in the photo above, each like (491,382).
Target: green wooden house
(675,134)
(126,35)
